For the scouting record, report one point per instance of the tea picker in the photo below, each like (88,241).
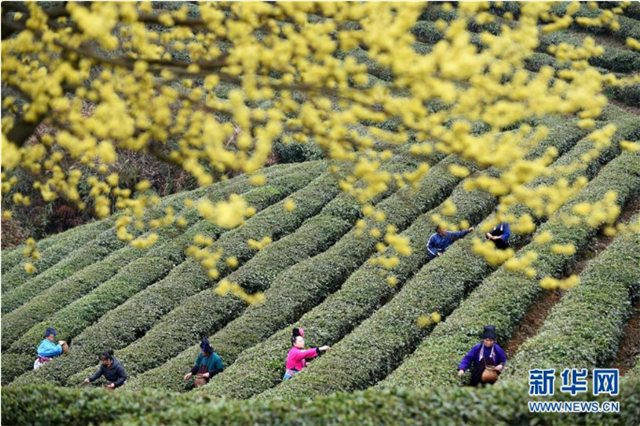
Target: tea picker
(47,349)
(486,358)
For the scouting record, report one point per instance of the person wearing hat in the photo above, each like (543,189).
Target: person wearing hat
(485,354)
(442,239)
(298,356)
(111,369)
(500,234)
(207,365)
(47,349)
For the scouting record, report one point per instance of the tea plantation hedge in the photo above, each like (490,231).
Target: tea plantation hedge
(614,59)
(377,346)
(141,273)
(66,291)
(206,312)
(306,284)
(629,95)
(502,404)
(262,367)
(131,320)
(59,254)
(504,297)
(50,256)
(392,330)
(79,258)
(586,326)
(74,237)
(629,27)
(174,251)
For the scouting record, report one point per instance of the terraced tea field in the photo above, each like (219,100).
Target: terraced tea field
(152,306)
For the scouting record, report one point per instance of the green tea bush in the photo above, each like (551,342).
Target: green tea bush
(135,317)
(206,312)
(74,318)
(73,237)
(97,248)
(504,297)
(80,283)
(590,317)
(379,344)
(312,280)
(502,404)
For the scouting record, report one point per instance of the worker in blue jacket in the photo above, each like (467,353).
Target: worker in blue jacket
(47,349)
(442,239)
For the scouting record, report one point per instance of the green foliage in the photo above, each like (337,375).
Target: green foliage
(297,152)
(633,10)
(262,366)
(52,250)
(504,297)
(73,237)
(79,258)
(377,346)
(206,312)
(135,317)
(591,316)
(310,281)
(88,245)
(502,404)
(614,59)
(80,283)
(73,319)
(426,32)
(629,95)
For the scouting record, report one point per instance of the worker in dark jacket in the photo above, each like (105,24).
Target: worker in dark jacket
(111,369)
(485,353)
(442,239)
(500,235)
(207,365)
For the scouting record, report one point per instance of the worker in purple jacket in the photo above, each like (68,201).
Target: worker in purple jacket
(483,354)
(442,239)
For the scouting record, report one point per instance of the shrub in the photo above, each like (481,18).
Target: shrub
(504,403)
(297,152)
(74,318)
(206,312)
(628,27)
(52,250)
(95,251)
(629,95)
(132,319)
(614,59)
(13,235)
(58,248)
(504,297)
(633,10)
(310,281)
(68,290)
(591,316)
(426,32)
(379,344)
(11,257)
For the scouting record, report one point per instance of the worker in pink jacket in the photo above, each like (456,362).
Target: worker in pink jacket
(296,360)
